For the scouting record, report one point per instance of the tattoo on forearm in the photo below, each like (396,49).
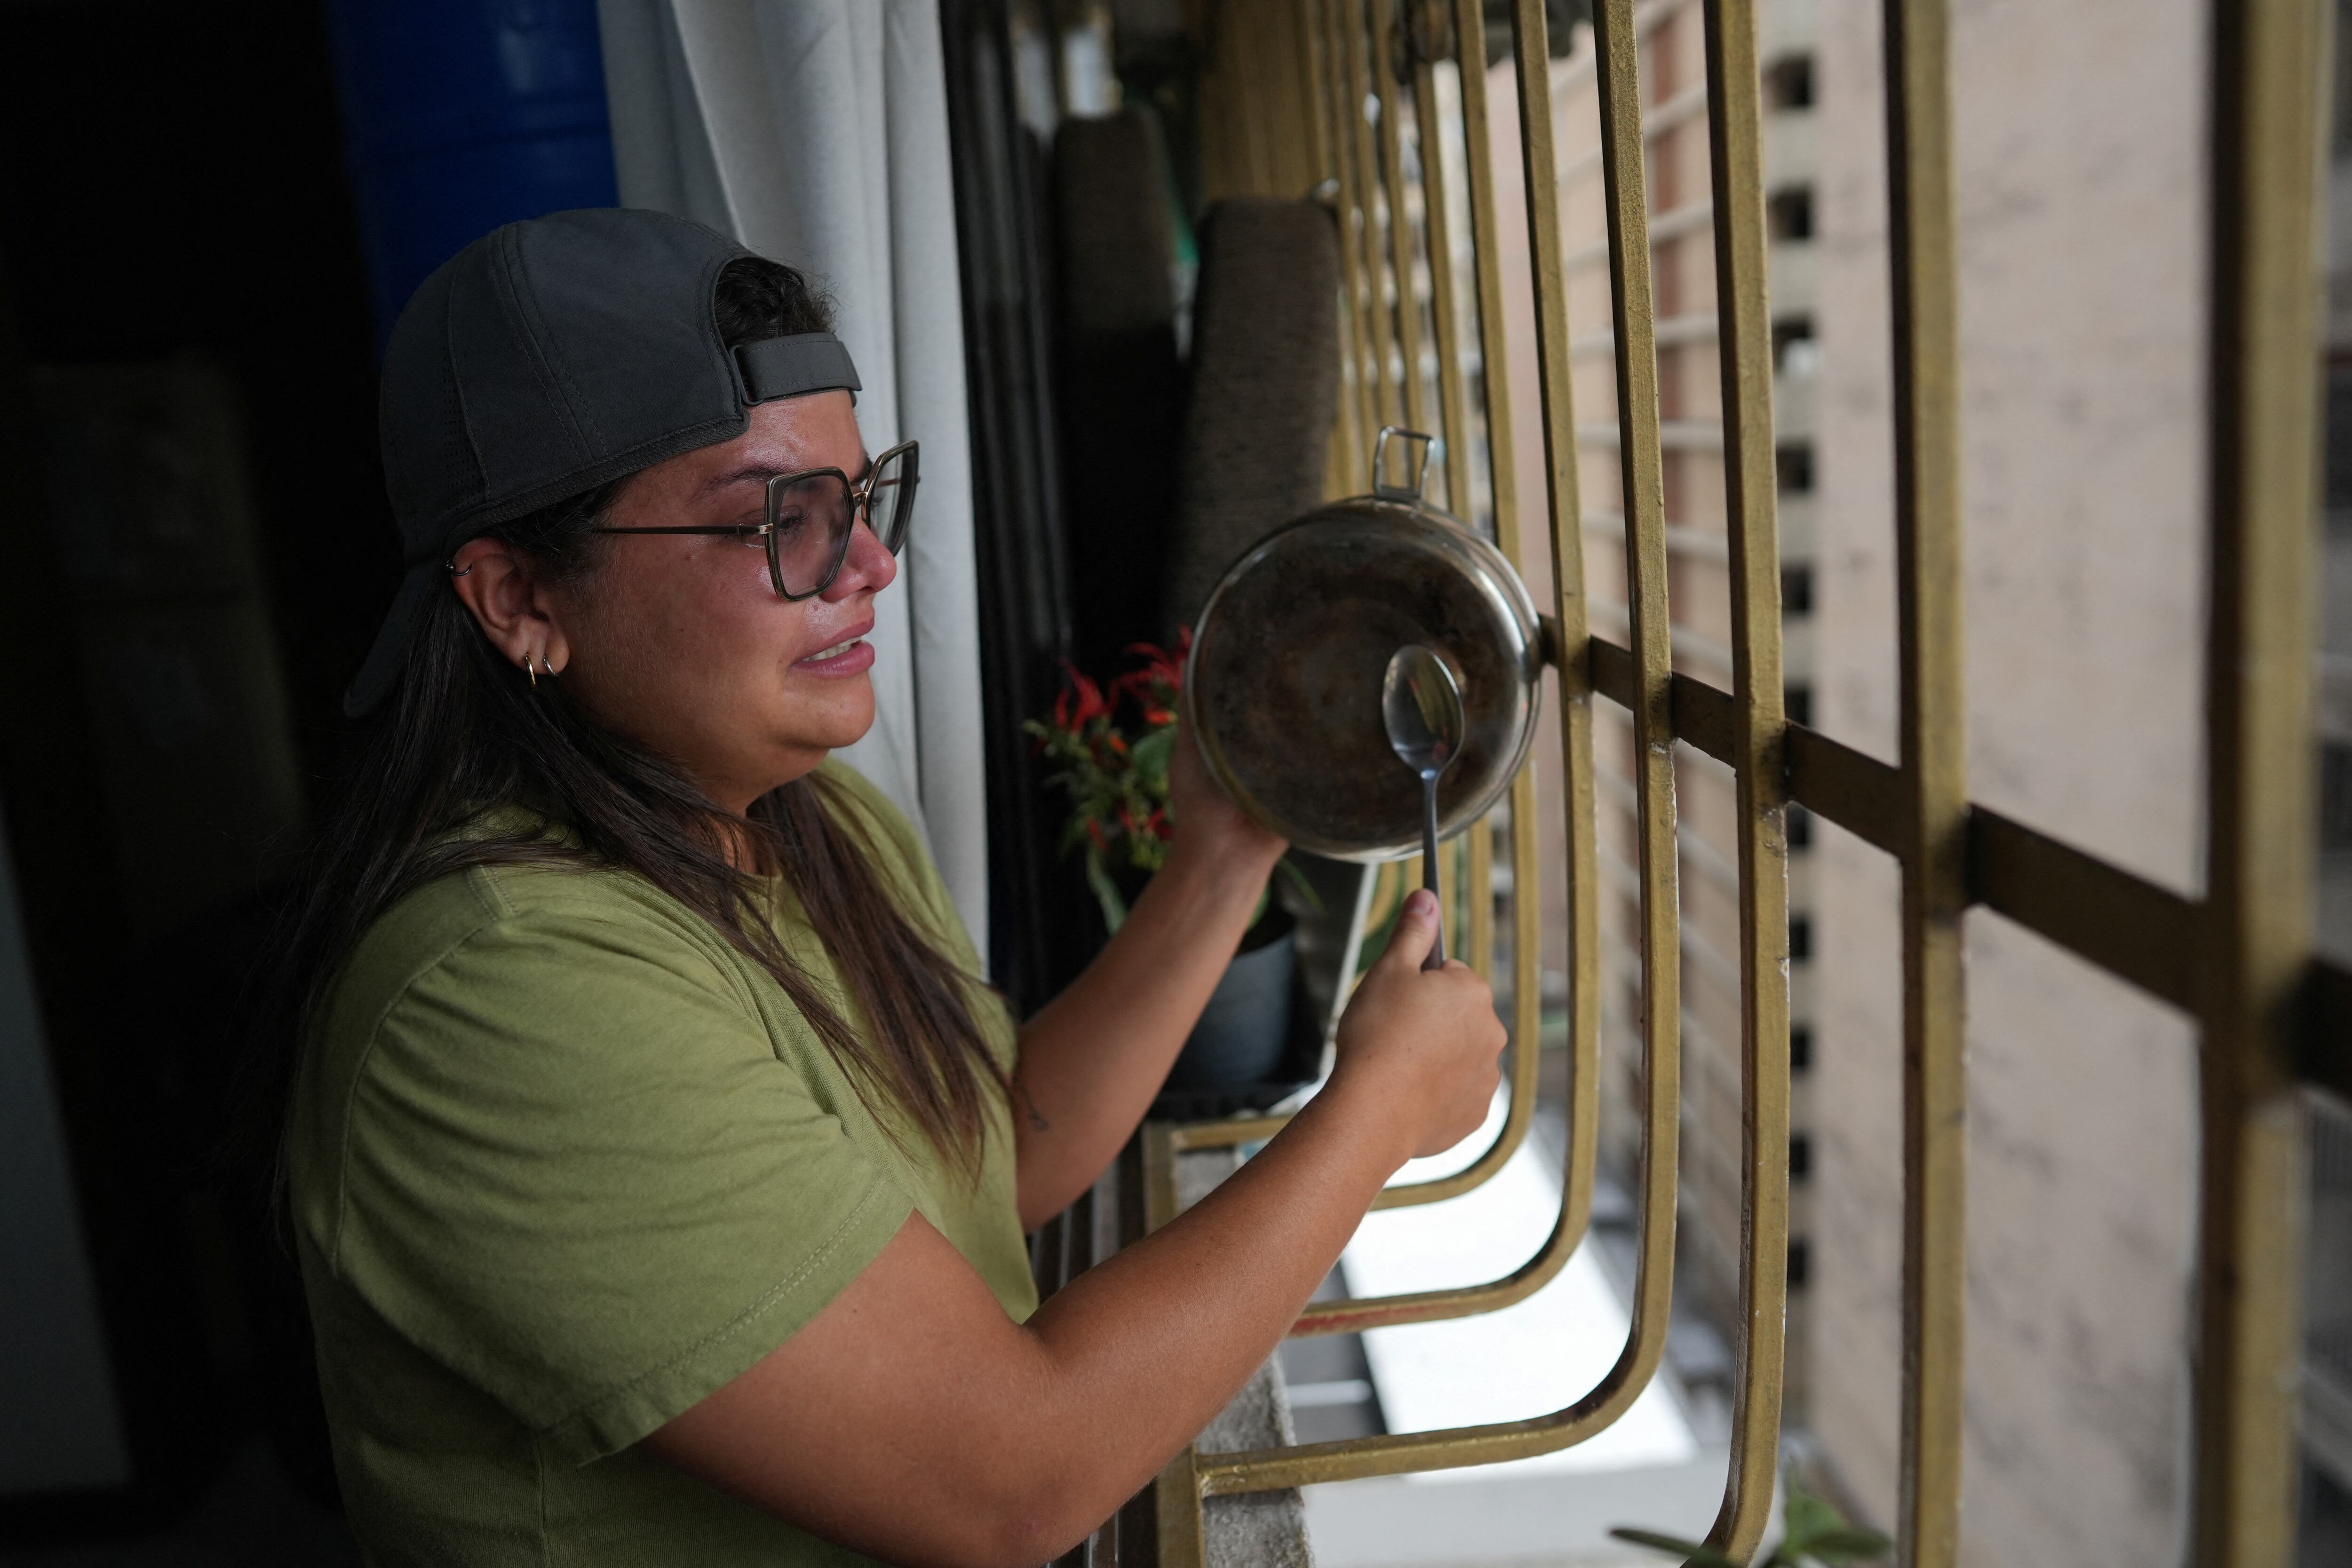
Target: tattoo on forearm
(1037,1123)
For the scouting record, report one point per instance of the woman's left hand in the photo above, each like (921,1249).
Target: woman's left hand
(1208,825)
(1080,1101)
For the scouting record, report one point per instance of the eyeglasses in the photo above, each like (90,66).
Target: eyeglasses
(811,515)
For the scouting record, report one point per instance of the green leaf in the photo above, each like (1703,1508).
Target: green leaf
(1805,1516)
(1696,1552)
(1153,753)
(1814,1530)
(1847,1544)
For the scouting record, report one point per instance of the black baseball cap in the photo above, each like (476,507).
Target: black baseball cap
(547,358)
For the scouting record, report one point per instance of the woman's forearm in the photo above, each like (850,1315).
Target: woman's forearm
(1092,1060)
(1147,1346)
(913,1420)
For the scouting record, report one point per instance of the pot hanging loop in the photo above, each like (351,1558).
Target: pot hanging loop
(1432,451)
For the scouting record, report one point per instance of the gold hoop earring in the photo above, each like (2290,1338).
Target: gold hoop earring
(532,673)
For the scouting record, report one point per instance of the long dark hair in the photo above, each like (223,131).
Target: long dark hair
(464,734)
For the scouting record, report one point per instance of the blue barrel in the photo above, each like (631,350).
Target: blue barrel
(461,115)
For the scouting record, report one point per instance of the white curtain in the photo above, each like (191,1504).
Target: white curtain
(815,132)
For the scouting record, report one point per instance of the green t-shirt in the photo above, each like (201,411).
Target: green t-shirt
(563,1162)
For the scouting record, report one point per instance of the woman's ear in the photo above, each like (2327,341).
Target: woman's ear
(498,585)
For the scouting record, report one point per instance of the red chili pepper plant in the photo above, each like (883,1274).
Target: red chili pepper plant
(1113,742)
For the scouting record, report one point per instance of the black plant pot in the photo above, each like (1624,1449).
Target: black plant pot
(1244,1034)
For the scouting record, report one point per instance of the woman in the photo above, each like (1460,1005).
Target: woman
(659,1164)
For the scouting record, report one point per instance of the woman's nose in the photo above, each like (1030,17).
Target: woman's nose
(866,569)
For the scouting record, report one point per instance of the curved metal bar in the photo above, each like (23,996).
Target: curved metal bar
(1194,1475)
(1385,30)
(1584,1029)
(1325,54)
(1329,67)
(1760,727)
(1526,1000)
(1437,227)
(1366,184)
(1641,476)
(1267,1469)
(1355,1458)
(1527,905)
(1465,1301)
(1401,247)
(1576,1195)
(1452,402)
(1654,1284)
(1348,434)
(1517,1117)
(1538,169)
(1538,164)
(1526,992)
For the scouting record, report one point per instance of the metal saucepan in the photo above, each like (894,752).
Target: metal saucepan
(1284,687)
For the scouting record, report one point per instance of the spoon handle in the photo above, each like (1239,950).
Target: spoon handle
(1436,959)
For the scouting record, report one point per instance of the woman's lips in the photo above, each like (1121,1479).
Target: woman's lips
(853,657)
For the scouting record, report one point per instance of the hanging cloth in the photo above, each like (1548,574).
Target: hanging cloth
(815,132)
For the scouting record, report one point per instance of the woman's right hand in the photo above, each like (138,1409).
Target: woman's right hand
(1419,1049)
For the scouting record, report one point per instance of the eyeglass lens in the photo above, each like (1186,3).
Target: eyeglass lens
(891,504)
(812,516)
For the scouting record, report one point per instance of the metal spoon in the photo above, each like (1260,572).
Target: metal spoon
(1422,709)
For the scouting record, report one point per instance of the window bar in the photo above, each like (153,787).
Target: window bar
(1641,478)
(1743,331)
(1350,439)
(1572,629)
(1293,166)
(2240,958)
(1196,1475)
(1346,114)
(1384,33)
(2259,839)
(1437,223)
(1246,159)
(1527,1016)
(1454,411)
(1257,104)
(1485,243)
(1388,406)
(1176,1508)
(1934,728)
(1353,1316)
(1401,247)
(1573,676)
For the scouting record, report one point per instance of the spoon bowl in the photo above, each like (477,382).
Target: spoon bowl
(1420,704)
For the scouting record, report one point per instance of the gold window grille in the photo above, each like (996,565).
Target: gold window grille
(1279,116)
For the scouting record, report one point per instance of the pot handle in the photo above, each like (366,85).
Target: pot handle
(1433,451)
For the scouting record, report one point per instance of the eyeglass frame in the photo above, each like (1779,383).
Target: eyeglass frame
(861,510)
